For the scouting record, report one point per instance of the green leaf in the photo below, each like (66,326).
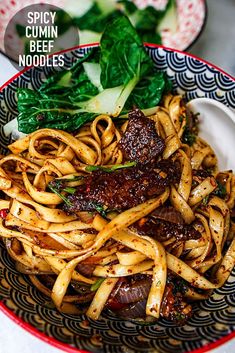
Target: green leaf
(148,18)
(128,6)
(42,111)
(95,19)
(83,90)
(150,37)
(90,20)
(97,284)
(123,56)
(148,92)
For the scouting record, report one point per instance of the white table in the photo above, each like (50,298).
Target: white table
(216,45)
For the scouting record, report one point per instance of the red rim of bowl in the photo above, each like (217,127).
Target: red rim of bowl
(52,341)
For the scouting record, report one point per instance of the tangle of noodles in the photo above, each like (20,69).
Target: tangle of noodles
(83,258)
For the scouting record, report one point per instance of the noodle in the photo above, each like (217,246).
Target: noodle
(103,249)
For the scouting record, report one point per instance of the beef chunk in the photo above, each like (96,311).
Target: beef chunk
(141,142)
(124,188)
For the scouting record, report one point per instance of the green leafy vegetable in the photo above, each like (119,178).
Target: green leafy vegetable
(148,21)
(91,20)
(148,92)
(151,37)
(129,7)
(97,284)
(108,80)
(95,19)
(122,54)
(93,168)
(48,111)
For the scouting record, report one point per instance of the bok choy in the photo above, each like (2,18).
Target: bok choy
(109,80)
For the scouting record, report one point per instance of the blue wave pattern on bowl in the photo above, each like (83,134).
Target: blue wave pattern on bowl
(213,318)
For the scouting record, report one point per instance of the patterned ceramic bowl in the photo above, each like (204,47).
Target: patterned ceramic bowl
(213,319)
(191,15)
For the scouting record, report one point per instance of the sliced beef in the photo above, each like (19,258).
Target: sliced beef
(124,188)
(141,142)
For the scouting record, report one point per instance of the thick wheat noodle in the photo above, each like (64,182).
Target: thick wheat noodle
(115,251)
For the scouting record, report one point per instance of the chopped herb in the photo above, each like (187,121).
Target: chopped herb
(181,119)
(97,284)
(74,178)
(179,284)
(99,208)
(158,283)
(52,187)
(191,128)
(93,168)
(188,138)
(205,200)
(220,191)
(179,316)
(70,190)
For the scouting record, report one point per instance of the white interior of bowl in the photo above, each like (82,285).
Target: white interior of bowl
(217,127)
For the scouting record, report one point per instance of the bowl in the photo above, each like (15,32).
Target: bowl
(191,14)
(213,321)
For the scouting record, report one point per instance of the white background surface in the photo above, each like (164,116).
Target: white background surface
(216,45)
